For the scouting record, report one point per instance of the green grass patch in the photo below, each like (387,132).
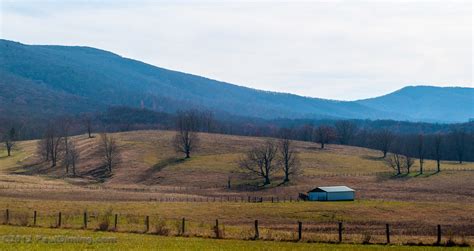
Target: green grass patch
(17,238)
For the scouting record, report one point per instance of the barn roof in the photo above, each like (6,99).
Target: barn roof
(332,189)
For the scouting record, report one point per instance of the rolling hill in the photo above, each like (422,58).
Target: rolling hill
(43,80)
(151,179)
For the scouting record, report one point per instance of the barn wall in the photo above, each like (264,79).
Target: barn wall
(317,196)
(341,196)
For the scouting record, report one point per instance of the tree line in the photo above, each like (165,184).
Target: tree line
(441,141)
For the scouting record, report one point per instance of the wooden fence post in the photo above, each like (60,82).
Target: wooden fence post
(34,218)
(387,232)
(300,229)
(340,231)
(115,222)
(59,219)
(272,199)
(257,235)
(438,240)
(182,226)
(85,220)
(147,223)
(216,228)
(7,216)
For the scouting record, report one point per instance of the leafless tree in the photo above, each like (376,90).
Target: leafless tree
(458,137)
(259,161)
(87,121)
(396,161)
(288,157)
(323,134)
(9,139)
(44,148)
(52,142)
(71,158)
(420,150)
(345,131)
(64,124)
(437,150)
(110,151)
(409,161)
(207,121)
(186,139)
(407,149)
(383,141)
(306,133)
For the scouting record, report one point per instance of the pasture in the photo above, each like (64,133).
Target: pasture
(152,180)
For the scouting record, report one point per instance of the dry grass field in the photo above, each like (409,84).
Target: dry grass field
(151,174)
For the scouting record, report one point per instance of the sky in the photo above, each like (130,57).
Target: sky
(344,50)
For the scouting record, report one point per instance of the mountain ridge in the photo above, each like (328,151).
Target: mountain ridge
(97,79)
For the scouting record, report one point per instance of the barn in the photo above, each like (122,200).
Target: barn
(332,193)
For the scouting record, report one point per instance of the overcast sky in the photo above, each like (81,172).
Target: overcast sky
(333,49)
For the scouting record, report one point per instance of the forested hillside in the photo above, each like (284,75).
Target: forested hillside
(42,81)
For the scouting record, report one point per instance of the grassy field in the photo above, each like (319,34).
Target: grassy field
(151,174)
(26,238)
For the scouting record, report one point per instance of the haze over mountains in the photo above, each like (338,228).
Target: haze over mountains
(43,80)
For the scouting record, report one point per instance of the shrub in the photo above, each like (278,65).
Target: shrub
(22,219)
(104,223)
(366,238)
(160,228)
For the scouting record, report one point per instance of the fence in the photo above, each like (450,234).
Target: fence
(331,232)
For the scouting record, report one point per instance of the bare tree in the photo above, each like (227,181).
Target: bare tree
(324,134)
(259,161)
(420,150)
(437,148)
(9,139)
(186,139)
(43,148)
(52,142)
(288,157)
(64,126)
(345,131)
(396,161)
(87,121)
(207,121)
(407,150)
(458,137)
(110,151)
(71,158)
(383,141)
(409,161)
(306,133)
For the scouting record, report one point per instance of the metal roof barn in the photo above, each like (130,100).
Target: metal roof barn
(332,193)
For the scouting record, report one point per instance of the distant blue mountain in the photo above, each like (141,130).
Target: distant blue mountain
(427,103)
(43,80)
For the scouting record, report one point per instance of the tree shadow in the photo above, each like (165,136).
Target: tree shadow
(166,163)
(392,176)
(426,175)
(162,164)
(100,173)
(35,168)
(368,157)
